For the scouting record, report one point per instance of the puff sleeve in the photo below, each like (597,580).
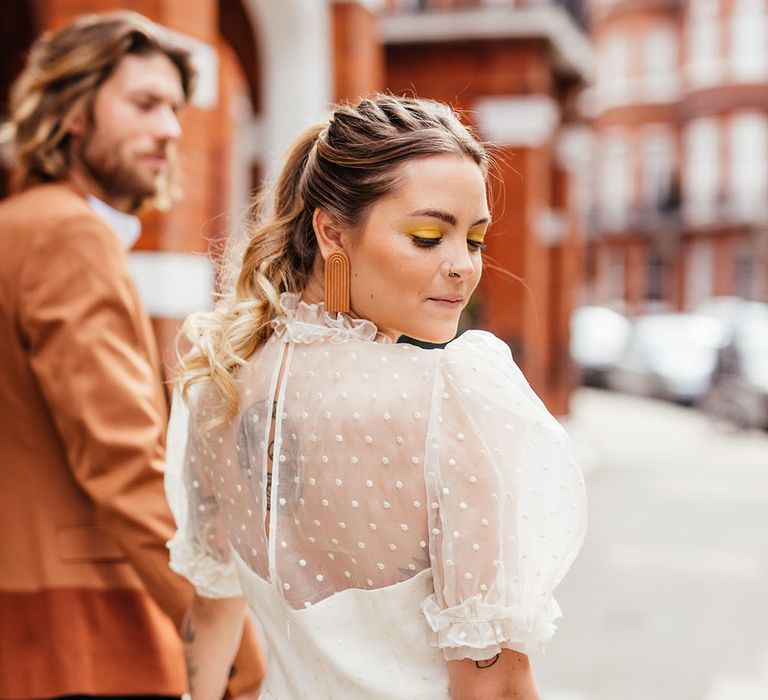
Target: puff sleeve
(507,513)
(200,549)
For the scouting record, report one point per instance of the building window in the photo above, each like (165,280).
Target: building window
(660,65)
(744,272)
(748,166)
(701,173)
(700,273)
(704,64)
(654,276)
(613,78)
(657,165)
(615,181)
(749,41)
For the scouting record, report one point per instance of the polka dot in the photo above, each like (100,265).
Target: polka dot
(302,562)
(355,504)
(369,581)
(463,505)
(468,576)
(342,524)
(456,534)
(403,527)
(361,545)
(434,506)
(331,555)
(417,415)
(404,396)
(339,438)
(372,526)
(316,522)
(460,436)
(399,439)
(435,531)
(417,504)
(368,439)
(385,460)
(386,505)
(446,491)
(369,483)
(399,485)
(476,546)
(324,459)
(320,577)
(282,501)
(312,481)
(287,586)
(483,587)
(347,574)
(307,604)
(355,416)
(387,416)
(312,540)
(473,479)
(412,567)
(380,566)
(196,484)
(392,547)
(484,522)
(415,460)
(324,503)
(338,482)
(354,459)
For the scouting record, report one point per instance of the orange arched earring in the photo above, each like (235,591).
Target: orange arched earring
(337,278)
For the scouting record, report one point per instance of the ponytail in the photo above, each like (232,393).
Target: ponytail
(277,258)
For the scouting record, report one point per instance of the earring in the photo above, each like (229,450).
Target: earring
(337,277)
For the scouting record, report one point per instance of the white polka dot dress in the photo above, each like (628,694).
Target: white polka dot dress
(384,508)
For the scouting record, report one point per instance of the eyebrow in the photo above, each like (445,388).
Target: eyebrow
(445,216)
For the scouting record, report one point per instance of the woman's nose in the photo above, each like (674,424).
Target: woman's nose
(459,262)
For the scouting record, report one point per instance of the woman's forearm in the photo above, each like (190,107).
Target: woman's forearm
(211,634)
(506,676)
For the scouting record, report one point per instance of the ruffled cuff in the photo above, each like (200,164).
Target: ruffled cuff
(477,630)
(211,578)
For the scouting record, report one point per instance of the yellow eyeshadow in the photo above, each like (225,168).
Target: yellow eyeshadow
(477,235)
(426,232)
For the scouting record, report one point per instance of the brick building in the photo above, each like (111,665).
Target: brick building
(270,68)
(681,152)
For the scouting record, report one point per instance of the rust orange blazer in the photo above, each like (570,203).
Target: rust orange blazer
(88,603)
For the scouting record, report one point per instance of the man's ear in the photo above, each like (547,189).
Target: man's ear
(327,232)
(77,124)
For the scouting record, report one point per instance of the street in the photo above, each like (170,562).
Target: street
(669,597)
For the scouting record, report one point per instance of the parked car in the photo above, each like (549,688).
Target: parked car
(670,355)
(599,338)
(739,394)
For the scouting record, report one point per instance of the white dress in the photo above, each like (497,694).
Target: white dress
(423,506)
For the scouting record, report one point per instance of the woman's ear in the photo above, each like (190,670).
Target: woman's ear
(327,232)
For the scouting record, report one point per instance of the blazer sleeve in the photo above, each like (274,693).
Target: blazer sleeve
(89,346)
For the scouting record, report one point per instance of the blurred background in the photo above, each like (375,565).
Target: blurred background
(630,197)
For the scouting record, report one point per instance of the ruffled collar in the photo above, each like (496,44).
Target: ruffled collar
(305,323)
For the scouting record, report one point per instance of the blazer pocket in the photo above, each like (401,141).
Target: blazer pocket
(80,543)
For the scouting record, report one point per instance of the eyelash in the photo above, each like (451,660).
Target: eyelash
(431,242)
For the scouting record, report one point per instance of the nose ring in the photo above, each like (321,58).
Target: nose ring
(451,273)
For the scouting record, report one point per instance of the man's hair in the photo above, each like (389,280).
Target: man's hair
(62,75)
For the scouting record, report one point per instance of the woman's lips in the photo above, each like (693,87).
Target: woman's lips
(447,302)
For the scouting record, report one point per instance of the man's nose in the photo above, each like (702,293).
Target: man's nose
(167,126)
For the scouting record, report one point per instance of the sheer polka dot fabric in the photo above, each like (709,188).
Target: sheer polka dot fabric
(358,463)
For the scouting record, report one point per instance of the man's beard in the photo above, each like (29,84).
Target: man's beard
(115,175)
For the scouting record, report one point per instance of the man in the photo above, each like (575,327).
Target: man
(88,603)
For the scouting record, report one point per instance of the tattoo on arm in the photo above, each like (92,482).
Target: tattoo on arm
(487,663)
(188,637)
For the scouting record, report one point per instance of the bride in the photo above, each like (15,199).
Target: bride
(397,518)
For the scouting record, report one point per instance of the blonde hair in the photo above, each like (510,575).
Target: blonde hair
(59,83)
(342,166)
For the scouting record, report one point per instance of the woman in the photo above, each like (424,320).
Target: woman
(396,517)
